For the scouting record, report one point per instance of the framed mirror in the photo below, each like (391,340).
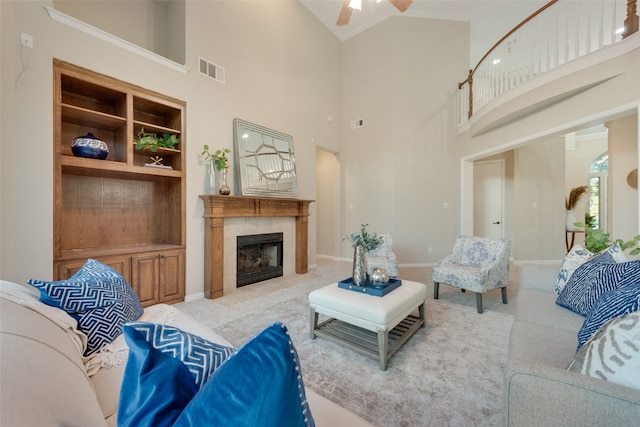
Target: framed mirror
(265,161)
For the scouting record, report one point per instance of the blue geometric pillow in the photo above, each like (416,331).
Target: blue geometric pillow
(591,280)
(259,385)
(156,386)
(612,304)
(202,357)
(98,297)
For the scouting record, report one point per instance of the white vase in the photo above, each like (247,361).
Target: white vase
(211,178)
(571,218)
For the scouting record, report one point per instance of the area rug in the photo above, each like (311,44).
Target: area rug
(450,373)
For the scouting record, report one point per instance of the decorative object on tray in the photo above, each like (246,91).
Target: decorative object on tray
(152,141)
(570,203)
(89,146)
(156,162)
(362,242)
(376,289)
(218,161)
(379,277)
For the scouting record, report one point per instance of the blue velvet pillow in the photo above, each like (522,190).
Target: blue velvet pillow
(586,284)
(612,304)
(259,385)
(200,356)
(98,297)
(156,386)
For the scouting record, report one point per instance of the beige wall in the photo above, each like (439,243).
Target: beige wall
(401,167)
(282,71)
(623,158)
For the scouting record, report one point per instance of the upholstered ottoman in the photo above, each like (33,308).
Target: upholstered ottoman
(372,325)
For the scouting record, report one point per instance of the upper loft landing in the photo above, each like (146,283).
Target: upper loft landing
(561,50)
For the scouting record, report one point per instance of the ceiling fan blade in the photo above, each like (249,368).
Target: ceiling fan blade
(401,5)
(345,14)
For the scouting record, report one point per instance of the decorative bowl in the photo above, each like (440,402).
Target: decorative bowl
(89,146)
(379,277)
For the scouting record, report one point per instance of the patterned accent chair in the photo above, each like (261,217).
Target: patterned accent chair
(478,264)
(383,257)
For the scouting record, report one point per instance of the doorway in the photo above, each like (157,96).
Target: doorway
(488,199)
(328,205)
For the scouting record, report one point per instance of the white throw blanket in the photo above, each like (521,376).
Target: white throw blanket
(110,356)
(26,297)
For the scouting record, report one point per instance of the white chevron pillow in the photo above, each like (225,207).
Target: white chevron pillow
(613,353)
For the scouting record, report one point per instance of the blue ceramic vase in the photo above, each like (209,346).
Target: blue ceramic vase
(89,146)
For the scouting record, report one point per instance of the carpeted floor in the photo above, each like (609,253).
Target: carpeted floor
(448,373)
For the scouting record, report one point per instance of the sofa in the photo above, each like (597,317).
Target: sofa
(538,388)
(46,381)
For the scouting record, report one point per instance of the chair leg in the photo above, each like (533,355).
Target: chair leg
(504,295)
(436,288)
(479,302)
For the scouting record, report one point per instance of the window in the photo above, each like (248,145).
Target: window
(598,191)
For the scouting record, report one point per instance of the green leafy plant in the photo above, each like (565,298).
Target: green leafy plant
(364,238)
(589,220)
(152,141)
(219,158)
(597,240)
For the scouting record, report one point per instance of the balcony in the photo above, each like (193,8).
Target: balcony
(545,52)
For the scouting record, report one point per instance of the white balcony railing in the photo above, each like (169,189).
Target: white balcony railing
(557,33)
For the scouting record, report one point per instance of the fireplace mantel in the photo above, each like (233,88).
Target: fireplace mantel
(217,208)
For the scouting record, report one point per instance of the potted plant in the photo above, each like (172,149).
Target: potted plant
(152,141)
(362,242)
(220,162)
(597,240)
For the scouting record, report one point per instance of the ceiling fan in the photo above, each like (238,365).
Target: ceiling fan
(347,8)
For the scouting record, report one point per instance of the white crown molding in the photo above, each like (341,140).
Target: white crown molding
(110,38)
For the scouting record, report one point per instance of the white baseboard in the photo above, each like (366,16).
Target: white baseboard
(541,261)
(329,257)
(417,265)
(193,297)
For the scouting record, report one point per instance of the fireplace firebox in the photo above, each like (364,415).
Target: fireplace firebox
(259,257)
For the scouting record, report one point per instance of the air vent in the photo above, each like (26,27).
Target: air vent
(212,70)
(357,123)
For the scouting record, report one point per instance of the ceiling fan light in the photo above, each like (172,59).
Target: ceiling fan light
(355,4)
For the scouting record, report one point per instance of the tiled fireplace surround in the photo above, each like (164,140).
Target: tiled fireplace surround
(227,217)
(234,227)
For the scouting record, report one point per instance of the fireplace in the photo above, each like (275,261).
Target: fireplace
(259,257)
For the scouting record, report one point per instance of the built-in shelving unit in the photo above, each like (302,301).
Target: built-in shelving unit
(118,210)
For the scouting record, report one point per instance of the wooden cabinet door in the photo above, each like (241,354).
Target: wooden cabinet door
(121,264)
(144,277)
(172,273)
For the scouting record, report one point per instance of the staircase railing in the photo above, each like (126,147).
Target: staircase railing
(558,32)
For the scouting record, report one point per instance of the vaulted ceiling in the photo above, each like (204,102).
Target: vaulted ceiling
(489,19)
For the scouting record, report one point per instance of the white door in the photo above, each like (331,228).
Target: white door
(488,198)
